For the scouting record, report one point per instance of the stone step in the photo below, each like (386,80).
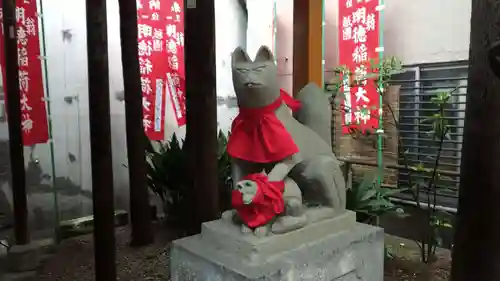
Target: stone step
(22,276)
(85,225)
(26,258)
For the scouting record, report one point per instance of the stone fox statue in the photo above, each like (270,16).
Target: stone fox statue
(266,137)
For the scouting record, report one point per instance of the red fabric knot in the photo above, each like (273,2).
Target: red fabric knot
(267,203)
(292,103)
(258,136)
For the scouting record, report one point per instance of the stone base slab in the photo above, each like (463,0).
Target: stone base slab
(349,252)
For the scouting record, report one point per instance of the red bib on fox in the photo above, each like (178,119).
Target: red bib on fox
(258,136)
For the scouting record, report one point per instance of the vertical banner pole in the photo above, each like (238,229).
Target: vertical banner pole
(380,130)
(323,61)
(275,30)
(43,51)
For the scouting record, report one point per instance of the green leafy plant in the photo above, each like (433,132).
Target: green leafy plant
(225,175)
(435,219)
(168,178)
(166,175)
(369,200)
(381,74)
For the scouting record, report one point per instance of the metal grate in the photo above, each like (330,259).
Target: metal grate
(418,85)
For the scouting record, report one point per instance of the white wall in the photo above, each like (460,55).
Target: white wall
(231,24)
(427,31)
(234,29)
(422,31)
(260,20)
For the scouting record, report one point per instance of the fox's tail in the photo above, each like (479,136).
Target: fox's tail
(316,111)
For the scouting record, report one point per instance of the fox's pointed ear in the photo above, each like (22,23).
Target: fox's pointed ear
(239,55)
(264,54)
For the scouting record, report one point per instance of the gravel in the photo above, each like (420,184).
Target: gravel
(74,259)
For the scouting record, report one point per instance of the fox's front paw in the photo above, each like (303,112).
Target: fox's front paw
(294,208)
(245,229)
(262,231)
(228,215)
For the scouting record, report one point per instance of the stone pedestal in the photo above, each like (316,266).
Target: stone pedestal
(337,249)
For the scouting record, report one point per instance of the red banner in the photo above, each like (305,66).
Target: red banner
(176,74)
(34,123)
(358,43)
(152,63)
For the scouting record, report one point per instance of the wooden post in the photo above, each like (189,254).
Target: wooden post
(14,123)
(100,141)
(307,43)
(140,214)
(476,251)
(201,131)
